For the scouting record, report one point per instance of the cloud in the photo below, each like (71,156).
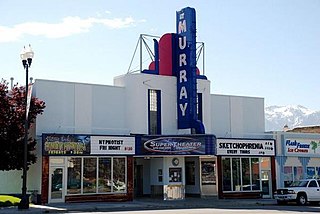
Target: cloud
(69,26)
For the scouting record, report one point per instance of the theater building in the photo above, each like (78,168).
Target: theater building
(157,133)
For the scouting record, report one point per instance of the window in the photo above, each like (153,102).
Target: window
(313,184)
(241,174)
(119,175)
(246,180)
(74,176)
(311,172)
(291,174)
(104,175)
(175,175)
(89,175)
(208,174)
(288,175)
(154,111)
(226,174)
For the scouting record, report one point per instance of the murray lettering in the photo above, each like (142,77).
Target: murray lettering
(186,67)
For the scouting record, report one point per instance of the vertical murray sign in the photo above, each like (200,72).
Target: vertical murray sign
(186,67)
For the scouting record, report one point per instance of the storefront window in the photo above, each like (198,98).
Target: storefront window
(311,172)
(104,184)
(246,181)
(119,175)
(74,176)
(108,173)
(288,175)
(236,176)
(89,175)
(292,173)
(241,174)
(226,174)
(298,173)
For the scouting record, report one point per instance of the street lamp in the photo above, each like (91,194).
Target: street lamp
(26,56)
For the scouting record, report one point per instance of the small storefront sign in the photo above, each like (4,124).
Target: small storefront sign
(112,145)
(302,147)
(237,147)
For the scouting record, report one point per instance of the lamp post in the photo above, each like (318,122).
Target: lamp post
(26,56)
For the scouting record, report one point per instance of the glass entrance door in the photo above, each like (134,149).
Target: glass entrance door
(56,189)
(266,183)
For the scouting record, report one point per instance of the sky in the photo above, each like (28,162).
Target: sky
(256,48)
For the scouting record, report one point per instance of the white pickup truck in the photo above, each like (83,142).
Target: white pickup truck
(302,191)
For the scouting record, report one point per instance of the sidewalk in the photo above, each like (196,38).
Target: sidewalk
(141,204)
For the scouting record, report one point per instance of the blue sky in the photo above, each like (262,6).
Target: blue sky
(259,48)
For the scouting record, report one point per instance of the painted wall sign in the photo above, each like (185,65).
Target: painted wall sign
(175,145)
(112,145)
(186,67)
(302,147)
(232,147)
(59,144)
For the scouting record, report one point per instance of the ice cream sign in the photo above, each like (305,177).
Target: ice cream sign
(302,147)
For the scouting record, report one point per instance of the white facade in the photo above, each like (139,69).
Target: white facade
(80,108)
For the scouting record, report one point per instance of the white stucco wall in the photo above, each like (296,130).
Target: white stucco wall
(236,116)
(78,108)
(136,96)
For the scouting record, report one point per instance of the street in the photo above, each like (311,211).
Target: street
(254,210)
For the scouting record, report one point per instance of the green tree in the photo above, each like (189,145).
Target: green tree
(12,120)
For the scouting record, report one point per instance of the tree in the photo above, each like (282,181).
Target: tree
(12,131)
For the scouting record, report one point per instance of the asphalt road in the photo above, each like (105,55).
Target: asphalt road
(245,210)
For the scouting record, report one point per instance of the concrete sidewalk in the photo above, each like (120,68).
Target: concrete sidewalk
(141,204)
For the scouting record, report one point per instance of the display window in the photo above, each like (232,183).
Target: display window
(175,174)
(208,175)
(291,174)
(313,172)
(90,175)
(240,174)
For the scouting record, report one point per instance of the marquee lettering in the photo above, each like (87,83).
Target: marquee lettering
(182,26)
(183,108)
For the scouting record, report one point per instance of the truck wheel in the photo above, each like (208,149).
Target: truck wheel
(302,199)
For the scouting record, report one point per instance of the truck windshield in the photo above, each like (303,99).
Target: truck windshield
(299,184)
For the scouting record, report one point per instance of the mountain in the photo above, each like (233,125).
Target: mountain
(293,116)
